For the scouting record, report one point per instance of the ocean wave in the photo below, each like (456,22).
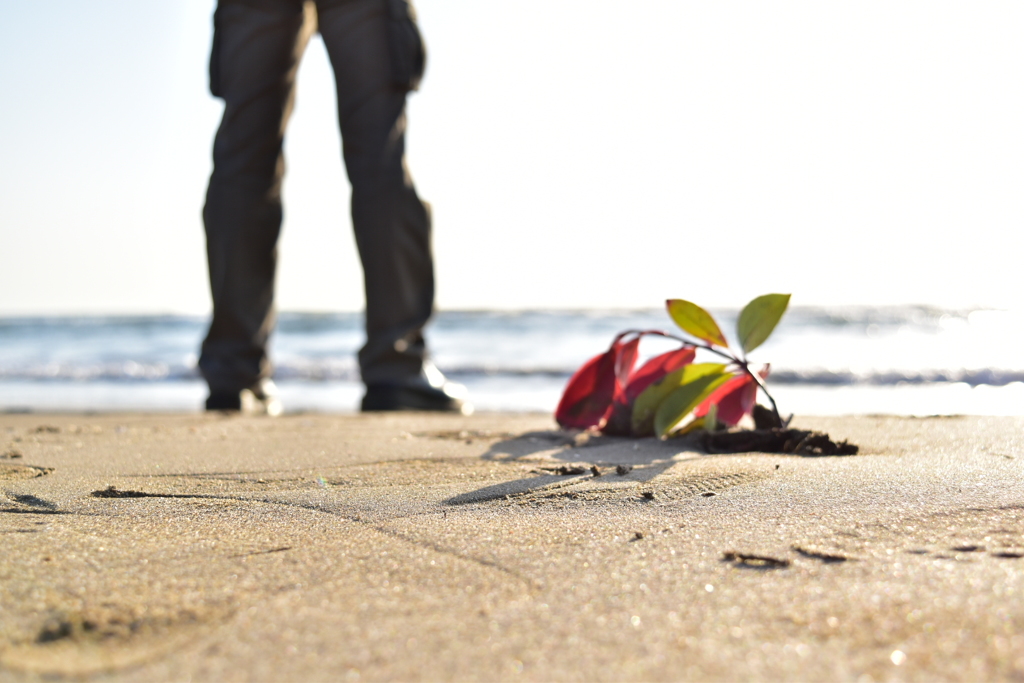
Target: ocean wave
(973,377)
(124,371)
(294,322)
(879,346)
(344,370)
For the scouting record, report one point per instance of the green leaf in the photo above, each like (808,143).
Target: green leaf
(647,402)
(696,321)
(759,318)
(711,418)
(684,399)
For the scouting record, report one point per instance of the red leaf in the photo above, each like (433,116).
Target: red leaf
(656,368)
(619,420)
(735,399)
(587,399)
(624,364)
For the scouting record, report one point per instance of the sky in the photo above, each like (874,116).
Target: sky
(577,153)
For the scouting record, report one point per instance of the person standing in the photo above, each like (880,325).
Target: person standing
(378,57)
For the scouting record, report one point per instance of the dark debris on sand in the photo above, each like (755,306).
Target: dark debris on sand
(776,440)
(754,561)
(565,470)
(113,492)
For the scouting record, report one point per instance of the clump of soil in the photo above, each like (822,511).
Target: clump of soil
(112,492)
(565,470)
(770,435)
(754,561)
(776,440)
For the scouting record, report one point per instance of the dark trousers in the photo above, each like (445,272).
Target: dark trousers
(256,53)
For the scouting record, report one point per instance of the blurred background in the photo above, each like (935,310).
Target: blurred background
(585,161)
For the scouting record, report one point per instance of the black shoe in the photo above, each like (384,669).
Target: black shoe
(219,400)
(383,397)
(430,392)
(261,399)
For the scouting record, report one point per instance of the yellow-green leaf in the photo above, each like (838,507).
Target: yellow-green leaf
(759,318)
(683,400)
(699,423)
(646,404)
(696,321)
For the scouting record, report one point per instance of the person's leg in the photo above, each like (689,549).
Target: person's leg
(392,224)
(257,48)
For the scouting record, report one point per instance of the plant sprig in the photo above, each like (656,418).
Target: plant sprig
(670,393)
(755,324)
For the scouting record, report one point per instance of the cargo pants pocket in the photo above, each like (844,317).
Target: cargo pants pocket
(405,44)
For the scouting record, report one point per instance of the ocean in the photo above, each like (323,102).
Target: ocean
(909,360)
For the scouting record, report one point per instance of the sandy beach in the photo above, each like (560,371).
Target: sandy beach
(493,547)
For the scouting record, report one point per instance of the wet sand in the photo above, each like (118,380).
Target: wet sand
(418,547)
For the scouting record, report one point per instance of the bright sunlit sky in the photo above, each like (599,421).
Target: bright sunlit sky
(578,153)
